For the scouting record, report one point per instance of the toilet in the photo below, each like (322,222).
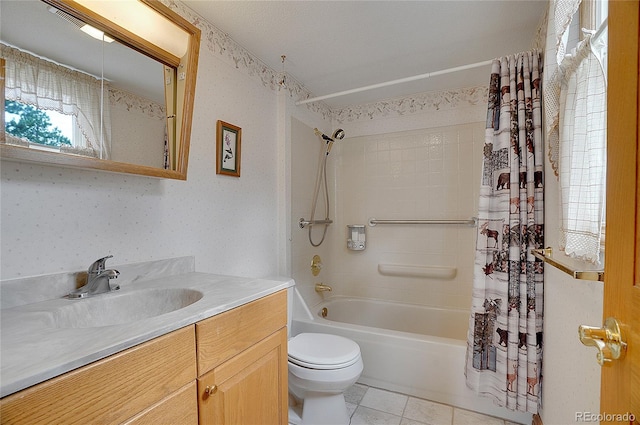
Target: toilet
(321,368)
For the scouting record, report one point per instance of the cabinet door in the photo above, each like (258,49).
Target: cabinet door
(250,388)
(178,408)
(111,390)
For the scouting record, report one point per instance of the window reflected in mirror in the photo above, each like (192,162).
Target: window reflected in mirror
(26,124)
(93,94)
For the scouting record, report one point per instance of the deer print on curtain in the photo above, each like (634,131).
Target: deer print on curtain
(504,347)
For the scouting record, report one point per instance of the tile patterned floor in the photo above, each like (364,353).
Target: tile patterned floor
(373,406)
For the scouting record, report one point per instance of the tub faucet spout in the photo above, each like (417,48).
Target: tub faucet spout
(322,288)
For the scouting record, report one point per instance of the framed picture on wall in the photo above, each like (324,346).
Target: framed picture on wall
(228,139)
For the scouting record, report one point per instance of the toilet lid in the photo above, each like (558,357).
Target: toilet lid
(322,351)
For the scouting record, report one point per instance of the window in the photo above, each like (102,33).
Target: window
(582,134)
(33,125)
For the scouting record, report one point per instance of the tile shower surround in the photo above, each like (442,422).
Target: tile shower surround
(422,174)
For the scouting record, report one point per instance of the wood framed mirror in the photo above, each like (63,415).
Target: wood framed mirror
(147,75)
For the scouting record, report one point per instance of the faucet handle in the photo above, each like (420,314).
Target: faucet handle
(98,266)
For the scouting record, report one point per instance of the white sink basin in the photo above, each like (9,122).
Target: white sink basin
(120,308)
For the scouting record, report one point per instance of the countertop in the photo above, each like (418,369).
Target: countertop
(33,350)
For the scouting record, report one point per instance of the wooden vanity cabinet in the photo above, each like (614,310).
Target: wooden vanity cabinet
(180,407)
(133,386)
(228,369)
(242,364)
(248,389)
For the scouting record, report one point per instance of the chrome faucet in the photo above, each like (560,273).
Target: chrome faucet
(97,280)
(321,287)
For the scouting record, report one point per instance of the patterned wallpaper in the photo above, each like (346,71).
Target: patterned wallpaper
(423,102)
(134,103)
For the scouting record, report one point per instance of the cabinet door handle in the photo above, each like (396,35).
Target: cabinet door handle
(211,389)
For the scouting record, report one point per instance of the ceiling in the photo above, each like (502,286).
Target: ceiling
(333,46)
(330,46)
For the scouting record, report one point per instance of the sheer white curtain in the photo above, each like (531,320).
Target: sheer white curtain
(47,85)
(559,17)
(575,124)
(583,150)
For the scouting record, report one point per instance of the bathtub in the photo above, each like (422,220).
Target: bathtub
(415,350)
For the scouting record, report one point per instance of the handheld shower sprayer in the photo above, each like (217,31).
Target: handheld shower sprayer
(321,177)
(337,135)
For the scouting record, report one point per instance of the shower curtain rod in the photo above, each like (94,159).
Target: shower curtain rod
(398,81)
(597,34)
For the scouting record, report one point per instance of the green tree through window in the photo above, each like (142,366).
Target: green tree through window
(33,125)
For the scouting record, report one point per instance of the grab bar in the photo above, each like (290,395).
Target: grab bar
(473,222)
(304,223)
(546,255)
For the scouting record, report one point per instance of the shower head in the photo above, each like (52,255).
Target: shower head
(338,134)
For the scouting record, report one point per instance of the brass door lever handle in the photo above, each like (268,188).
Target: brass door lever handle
(609,340)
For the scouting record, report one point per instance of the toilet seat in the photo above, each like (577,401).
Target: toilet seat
(322,351)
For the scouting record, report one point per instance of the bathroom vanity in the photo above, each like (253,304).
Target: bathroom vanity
(221,359)
(145,382)
(242,364)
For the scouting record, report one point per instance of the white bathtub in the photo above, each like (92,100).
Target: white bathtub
(411,349)
(415,319)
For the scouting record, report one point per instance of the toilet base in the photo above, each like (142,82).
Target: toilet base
(320,409)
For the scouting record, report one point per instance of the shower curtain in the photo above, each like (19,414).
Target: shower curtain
(504,347)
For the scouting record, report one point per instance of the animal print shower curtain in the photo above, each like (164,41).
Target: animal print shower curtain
(504,347)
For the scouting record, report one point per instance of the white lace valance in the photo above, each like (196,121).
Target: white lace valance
(47,85)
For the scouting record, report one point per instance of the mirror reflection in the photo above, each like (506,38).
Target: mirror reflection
(86,94)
